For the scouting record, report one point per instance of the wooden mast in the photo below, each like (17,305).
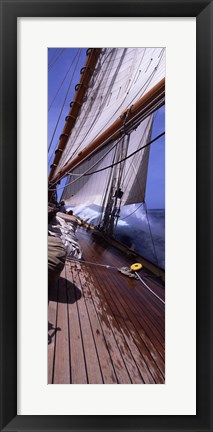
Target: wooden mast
(144,106)
(75,106)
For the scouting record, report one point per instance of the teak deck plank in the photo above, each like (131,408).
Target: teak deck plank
(94,372)
(153,351)
(62,355)
(145,297)
(145,332)
(107,328)
(105,320)
(108,373)
(156,324)
(52,328)
(142,339)
(141,314)
(128,359)
(78,367)
(118,318)
(148,329)
(128,333)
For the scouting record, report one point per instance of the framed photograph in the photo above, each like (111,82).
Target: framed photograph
(141,74)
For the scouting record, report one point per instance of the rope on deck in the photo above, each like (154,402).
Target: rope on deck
(93,263)
(116,268)
(144,283)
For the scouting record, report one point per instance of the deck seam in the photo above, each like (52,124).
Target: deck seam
(134,306)
(122,332)
(119,301)
(56,325)
(117,344)
(80,327)
(158,353)
(68,323)
(114,331)
(143,341)
(150,318)
(91,327)
(103,334)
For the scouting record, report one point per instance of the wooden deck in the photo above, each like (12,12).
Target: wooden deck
(103,327)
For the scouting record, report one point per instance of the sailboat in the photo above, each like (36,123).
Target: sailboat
(107,309)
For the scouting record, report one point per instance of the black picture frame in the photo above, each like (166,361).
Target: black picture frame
(10,11)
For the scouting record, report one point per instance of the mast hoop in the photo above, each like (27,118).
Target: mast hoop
(70,116)
(86,68)
(81,89)
(75,102)
(89,50)
(148,102)
(58,150)
(80,85)
(63,135)
(131,125)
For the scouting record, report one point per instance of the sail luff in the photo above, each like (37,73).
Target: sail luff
(75,106)
(144,105)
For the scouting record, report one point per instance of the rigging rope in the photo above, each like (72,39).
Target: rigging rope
(81,175)
(64,102)
(93,263)
(127,157)
(108,188)
(144,283)
(153,243)
(144,87)
(89,107)
(53,100)
(109,166)
(55,60)
(117,268)
(53,56)
(103,103)
(138,183)
(131,169)
(133,124)
(132,212)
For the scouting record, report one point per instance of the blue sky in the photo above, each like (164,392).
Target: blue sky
(155,189)
(61,77)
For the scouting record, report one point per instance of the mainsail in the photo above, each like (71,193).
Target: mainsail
(112,125)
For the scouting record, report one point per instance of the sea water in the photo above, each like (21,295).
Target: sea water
(139,229)
(144,232)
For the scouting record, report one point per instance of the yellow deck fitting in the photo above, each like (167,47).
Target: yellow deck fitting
(136,266)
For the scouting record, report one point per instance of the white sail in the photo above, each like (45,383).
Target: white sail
(122,76)
(86,186)
(115,174)
(135,173)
